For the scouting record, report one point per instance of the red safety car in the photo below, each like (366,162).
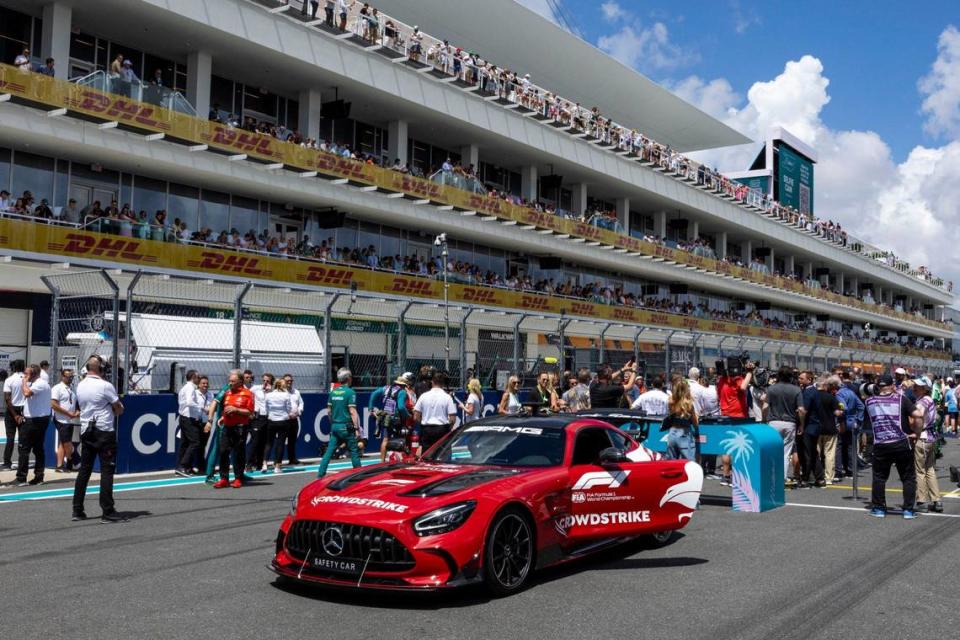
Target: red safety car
(492,502)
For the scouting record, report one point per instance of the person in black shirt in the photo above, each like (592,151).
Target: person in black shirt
(606,393)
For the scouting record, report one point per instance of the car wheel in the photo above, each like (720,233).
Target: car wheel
(509,553)
(659,539)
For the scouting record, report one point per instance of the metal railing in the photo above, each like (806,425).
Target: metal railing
(136,90)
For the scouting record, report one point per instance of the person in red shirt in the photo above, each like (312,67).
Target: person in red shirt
(238,409)
(732,396)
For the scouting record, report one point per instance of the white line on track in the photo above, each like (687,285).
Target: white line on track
(865,512)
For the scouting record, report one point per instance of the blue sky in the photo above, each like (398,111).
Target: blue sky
(873,52)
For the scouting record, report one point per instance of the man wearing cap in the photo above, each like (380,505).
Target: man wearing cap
(928,490)
(900,376)
(392,408)
(344,421)
(894,420)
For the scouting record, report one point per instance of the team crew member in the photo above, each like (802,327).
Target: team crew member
(894,421)
(13,400)
(237,410)
(190,410)
(99,405)
(928,489)
(391,406)
(33,429)
(280,413)
(344,421)
(435,412)
(259,427)
(294,425)
(66,418)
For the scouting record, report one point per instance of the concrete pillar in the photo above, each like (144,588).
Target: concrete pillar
(746,252)
(578,198)
(877,293)
(721,245)
(199,72)
(807,270)
(397,137)
(470,155)
(529,183)
(623,214)
(660,224)
(769,261)
(853,284)
(55,38)
(838,278)
(693,230)
(308,120)
(789,265)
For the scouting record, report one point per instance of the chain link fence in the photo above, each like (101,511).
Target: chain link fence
(154,328)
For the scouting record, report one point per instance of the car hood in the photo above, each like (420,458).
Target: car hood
(395,491)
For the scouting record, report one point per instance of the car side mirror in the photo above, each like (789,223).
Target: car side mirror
(612,455)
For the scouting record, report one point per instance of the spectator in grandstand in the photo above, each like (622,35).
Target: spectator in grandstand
(5,201)
(33,428)
(510,400)
(99,406)
(343,9)
(329,6)
(237,411)
(22,61)
(66,419)
(190,407)
(928,489)
(435,412)
(297,400)
(655,401)
(784,401)
(314,6)
(280,413)
(344,421)
(47,68)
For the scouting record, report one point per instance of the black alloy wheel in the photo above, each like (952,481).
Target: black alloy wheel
(659,539)
(509,552)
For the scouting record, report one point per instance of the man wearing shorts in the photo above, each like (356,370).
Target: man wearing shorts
(66,419)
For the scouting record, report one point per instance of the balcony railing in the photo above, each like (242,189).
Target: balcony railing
(163,97)
(85,100)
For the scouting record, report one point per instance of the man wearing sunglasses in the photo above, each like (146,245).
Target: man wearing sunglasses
(66,419)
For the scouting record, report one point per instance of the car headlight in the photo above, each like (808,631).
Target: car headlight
(444,519)
(293,503)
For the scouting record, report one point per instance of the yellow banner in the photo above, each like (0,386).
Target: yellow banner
(62,242)
(41,89)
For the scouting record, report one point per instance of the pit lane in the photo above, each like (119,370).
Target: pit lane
(192,562)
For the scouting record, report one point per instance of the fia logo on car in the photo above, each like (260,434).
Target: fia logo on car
(578,497)
(611,479)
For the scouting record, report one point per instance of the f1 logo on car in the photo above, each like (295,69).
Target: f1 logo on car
(611,479)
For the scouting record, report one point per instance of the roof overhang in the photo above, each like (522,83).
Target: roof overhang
(511,35)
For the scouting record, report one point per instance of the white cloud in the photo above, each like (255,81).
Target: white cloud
(909,208)
(742,19)
(942,87)
(647,48)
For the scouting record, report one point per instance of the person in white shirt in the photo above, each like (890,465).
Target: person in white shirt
(190,411)
(45,371)
(66,419)
(654,402)
(33,429)
(22,61)
(259,427)
(297,401)
(697,391)
(13,401)
(435,412)
(280,413)
(99,405)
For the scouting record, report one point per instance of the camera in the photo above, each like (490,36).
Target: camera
(440,240)
(735,366)
(869,389)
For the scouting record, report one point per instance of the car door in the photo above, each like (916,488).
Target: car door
(624,498)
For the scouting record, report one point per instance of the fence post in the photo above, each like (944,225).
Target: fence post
(463,347)
(694,360)
(636,344)
(603,342)
(129,314)
(326,376)
(54,323)
(668,357)
(238,322)
(562,336)
(763,346)
(115,331)
(516,344)
(780,356)
(402,338)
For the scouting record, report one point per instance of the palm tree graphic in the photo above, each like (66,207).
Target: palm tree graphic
(738,445)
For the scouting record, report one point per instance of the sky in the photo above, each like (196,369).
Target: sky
(874,87)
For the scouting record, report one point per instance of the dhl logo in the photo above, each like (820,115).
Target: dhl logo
(412,287)
(471,294)
(328,275)
(229,264)
(244,141)
(538,219)
(718,326)
(420,187)
(659,318)
(630,244)
(79,244)
(587,231)
(582,309)
(689,323)
(14,87)
(765,333)
(663,252)
(622,313)
(120,109)
(697,261)
(344,167)
(537,303)
(493,206)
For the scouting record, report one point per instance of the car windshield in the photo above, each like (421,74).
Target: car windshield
(506,445)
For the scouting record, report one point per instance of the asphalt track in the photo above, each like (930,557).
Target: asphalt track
(192,564)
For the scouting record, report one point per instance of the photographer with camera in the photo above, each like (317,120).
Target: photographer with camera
(392,409)
(895,421)
(733,380)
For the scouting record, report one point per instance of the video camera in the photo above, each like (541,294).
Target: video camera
(735,366)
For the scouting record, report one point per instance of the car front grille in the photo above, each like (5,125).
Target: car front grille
(375,548)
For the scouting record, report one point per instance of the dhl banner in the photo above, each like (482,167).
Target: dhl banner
(51,92)
(50,240)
